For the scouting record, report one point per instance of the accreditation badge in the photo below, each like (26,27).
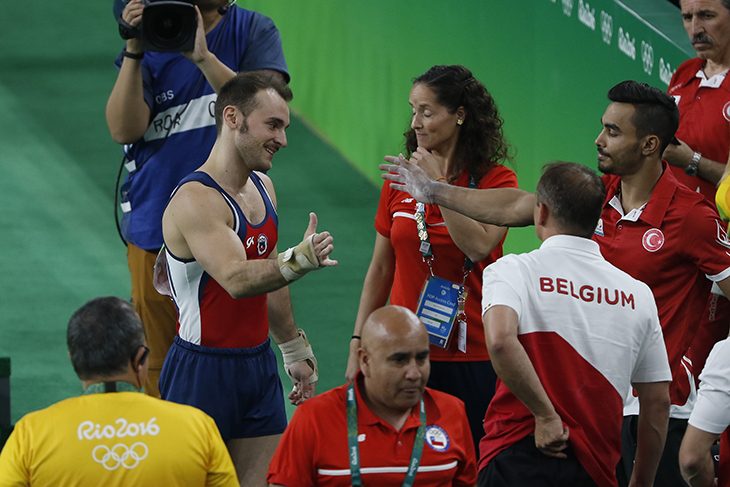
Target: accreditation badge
(437,309)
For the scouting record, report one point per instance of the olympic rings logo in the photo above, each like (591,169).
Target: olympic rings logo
(647,57)
(606,27)
(120,455)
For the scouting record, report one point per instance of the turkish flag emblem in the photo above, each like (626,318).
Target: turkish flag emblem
(653,240)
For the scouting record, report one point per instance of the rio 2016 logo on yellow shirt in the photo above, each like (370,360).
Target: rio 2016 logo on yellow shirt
(88,430)
(120,454)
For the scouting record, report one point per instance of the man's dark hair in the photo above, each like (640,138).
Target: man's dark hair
(656,112)
(574,194)
(240,91)
(102,337)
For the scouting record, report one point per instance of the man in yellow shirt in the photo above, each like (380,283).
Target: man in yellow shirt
(113,435)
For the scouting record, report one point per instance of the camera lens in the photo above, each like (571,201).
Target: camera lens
(169,26)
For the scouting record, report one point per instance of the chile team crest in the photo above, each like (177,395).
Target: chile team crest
(262,244)
(437,438)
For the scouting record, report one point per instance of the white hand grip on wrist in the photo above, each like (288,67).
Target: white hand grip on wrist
(297,261)
(299,350)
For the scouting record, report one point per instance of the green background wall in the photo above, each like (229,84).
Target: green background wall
(549,72)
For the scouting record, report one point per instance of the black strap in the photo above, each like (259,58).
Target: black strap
(133,55)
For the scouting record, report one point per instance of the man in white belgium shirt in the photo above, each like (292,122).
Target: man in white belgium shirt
(568,333)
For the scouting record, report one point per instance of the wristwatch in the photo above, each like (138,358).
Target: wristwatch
(694,164)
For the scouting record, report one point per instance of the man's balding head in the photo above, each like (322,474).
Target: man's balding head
(392,321)
(394,358)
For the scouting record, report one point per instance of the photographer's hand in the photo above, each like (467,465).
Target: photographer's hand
(127,114)
(215,71)
(200,50)
(132,15)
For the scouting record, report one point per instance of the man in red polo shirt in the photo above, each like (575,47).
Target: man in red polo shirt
(701,88)
(652,227)
(386,428)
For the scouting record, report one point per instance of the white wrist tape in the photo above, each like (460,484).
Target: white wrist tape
(297,261)
(299,350)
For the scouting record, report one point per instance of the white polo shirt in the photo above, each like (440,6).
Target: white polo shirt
(590,330)
(712,409)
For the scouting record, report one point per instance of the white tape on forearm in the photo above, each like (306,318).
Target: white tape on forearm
(299,350)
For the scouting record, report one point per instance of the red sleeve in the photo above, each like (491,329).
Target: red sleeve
(383,218)
(499,177)
(293,461)
(707,242)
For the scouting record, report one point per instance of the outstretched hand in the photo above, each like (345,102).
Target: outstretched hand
(407,176)
(322,242)
(310,254)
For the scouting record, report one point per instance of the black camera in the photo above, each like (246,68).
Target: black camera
(167,25)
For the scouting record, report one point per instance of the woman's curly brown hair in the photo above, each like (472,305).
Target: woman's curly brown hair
(481,142)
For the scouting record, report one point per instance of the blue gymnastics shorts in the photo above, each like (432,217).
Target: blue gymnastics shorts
(238,387)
